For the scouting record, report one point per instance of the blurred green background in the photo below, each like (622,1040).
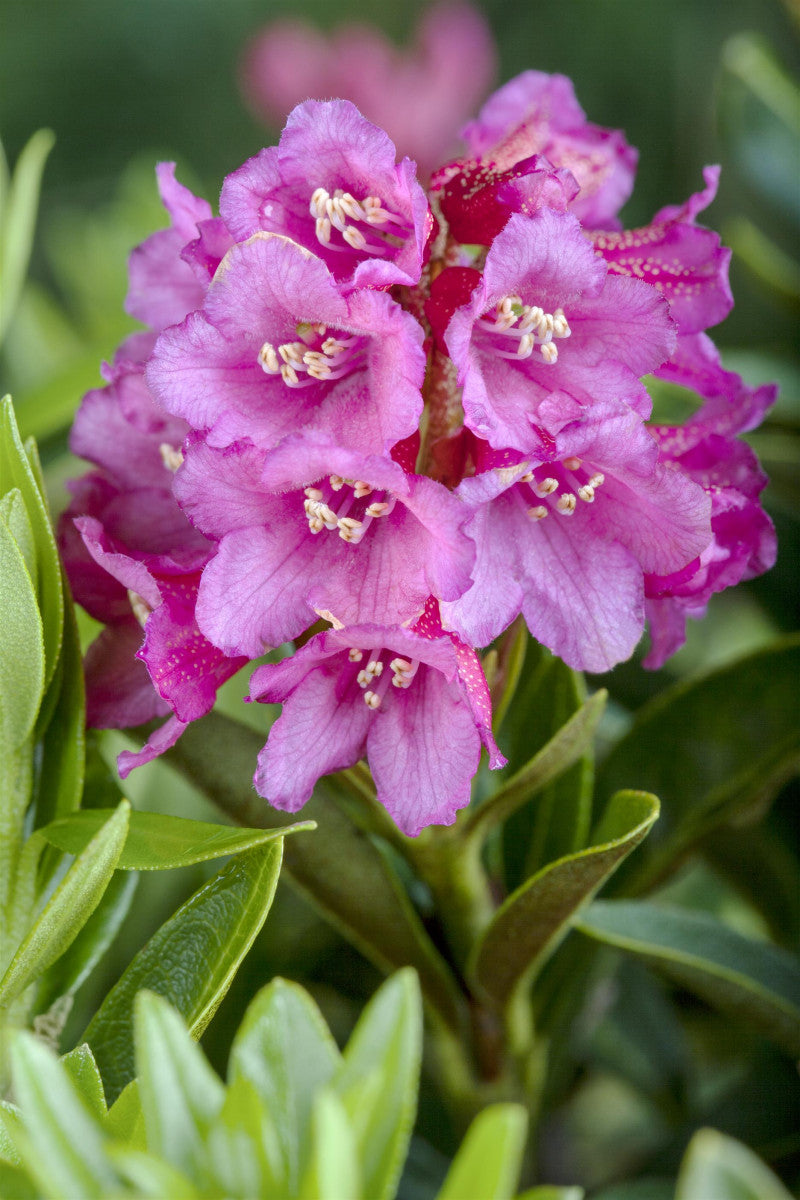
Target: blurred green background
(126,84)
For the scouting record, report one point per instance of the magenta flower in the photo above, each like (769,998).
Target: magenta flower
(419,96)
(546,317)
(277,347)
(567,539)
(414,701)
(313,529)
(333,185)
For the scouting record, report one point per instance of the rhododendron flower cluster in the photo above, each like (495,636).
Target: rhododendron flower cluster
(385,421)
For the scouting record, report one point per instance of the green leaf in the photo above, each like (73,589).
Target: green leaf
(529,925)
(125,1119)
(719,1166)
(15,517)
(75,965)
(82,1070)
(711,749)
(563,750)
(16,1185)
(59,783)
(64,1147)
(16,471)
(243,1152)
(151,1176)
(553,1192)
(340,869)
(388,1040)
(156,842)
(190,961)
(10,1127)
(490,1157)
(752,981)
(180,1093)
(332,1171)
(22,666)
(70,906)
(557,821)
(285,1050)
(18,207)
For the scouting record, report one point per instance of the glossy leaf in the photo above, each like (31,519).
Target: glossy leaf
(156,841)
(70,906)
(64,1146)
(180,1093)
(490,1157)
(719,1166)
(527,928)
(190,961)
(752,981)
(332,1170)
(557,820)
(339,868)
(285,1050)
(387,1040)
(16,471)
(563,750)
(75,965)
(711,748)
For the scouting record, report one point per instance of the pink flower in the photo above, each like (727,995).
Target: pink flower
(419,96)
(277,347)
(567,538)
(414,701)
(312,528)
(332,184)
(545,317)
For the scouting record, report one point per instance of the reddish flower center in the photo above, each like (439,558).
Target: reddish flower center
(381,671)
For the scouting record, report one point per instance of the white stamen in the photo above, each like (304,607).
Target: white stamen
(549,352)
(336,482)
(141,609)
(572,464)
(354,237)
(313,493)
(361,489)
(288,373)
(378,508)
(526,344)
(567,504)
(269,359)
(355,655)
(586,493)
(322,229)
(372,700)
(597,480)
(538,513)
(545,487)
(171,456)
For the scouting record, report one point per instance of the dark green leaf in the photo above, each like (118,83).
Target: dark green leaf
(711,749)
(180,1094)
(156,842)
(719,1166)
(69,907)
(339,868)
(64,1146)
(284,1049)
(387,1041)
(63,744)
(489,1159)
(533,920)
(753,981)
(557,821)
(190,961)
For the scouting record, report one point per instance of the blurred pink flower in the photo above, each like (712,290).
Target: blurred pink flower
(420,95)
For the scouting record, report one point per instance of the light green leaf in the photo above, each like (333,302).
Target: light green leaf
(332,1171)
(19,203)
(156,842)
(720,1167)
(180,1093)
(125,1119)
(82,1070)
(557,820)
(562,751)
(22,665)
(151,1176)
(387,1039)
(70,906)
(534,919)
(285,1050)
(190,961)
(490,1157)
(339,869)
(242,1146)
(14,514)
(553,1192)
(75,965)
(16,471)
(10,1127)
(16,1185)
(753,981)
(711,749)
(64,1148)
